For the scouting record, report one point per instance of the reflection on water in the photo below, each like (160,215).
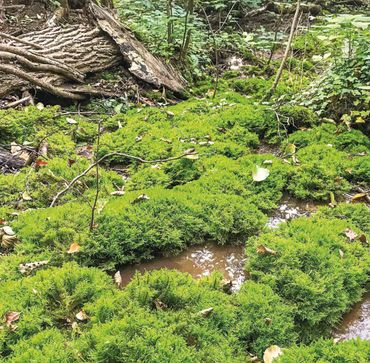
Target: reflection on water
(290,208)
(198,261)
(356,323)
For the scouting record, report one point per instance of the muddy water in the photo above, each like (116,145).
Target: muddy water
(356,323)
(198,261)
(291,208)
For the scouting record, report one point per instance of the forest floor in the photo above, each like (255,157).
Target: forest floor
(220,228)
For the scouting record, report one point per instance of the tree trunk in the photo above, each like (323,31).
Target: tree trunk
(58,58)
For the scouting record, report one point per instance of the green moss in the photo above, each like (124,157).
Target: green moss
(358,214)
(167,223)
(353,141)
(321,171)
(309,273)
(297,116)
(42,183)
(351,351)
(51,298)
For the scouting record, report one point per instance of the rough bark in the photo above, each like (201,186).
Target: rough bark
(58,58)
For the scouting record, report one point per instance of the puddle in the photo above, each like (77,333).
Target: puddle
(356,323)
(291,208)
(198,261)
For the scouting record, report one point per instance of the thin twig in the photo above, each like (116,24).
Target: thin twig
(93,209)
(286,53)
(136,158)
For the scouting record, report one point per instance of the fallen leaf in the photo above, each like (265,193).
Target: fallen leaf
(74,248)
(71,121)
(11,317)
(8,231)
(268,321)
(260,174)
(205,313)
(71,162)
(26,197)
(341,253)
(268,162)
(363,239)
(81,316)
(350,234)
(290,149)
(40,162)
(118,278)
(140,198)
(192,156)
(139,138)
(358,197)
(263,250)
(3,222)
(160,305)
(271,353)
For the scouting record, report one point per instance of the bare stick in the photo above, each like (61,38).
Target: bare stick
(38,82)
(18,102)
(93,209)
(287,49)
(136,158)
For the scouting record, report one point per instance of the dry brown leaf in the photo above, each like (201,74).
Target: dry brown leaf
(41,163)
(160,305)
(81,316)
(350,234)
(263,250)
(74,248)
(362,238)
(11,317)
(271,353)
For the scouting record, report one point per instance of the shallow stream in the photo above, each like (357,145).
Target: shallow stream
(202,260)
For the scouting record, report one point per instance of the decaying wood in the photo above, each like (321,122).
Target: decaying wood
(142,63)
(10,161)
(57,59)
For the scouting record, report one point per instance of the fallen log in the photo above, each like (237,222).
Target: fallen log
(57,59)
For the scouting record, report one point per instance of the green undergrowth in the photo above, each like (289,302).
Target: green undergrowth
(315,268)
(129,325)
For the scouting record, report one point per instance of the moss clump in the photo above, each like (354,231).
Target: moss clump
(357,214)
(351,351)
(353,141)
(297,116)
(51,298)
(19,125)
(53,229)
(168,222)
(309,273)
(42,183)
(236,320)
(321,172)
